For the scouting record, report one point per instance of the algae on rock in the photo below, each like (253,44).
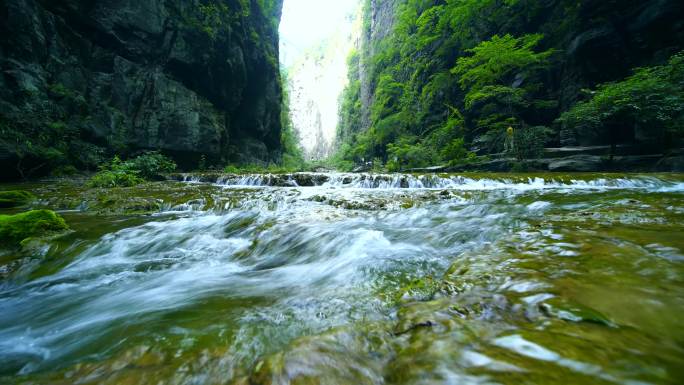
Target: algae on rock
(15,198)
(14,229)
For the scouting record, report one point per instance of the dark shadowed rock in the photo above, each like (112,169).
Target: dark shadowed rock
(147,74)
(586,163)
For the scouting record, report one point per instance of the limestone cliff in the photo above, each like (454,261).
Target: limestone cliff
(316,80)
(82,80)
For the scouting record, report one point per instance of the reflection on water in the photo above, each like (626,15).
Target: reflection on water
(364,279)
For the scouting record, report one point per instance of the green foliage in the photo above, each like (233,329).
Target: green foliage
(407,154)
(14,198)
(217,18)
(652,98)
(114,178)
(495,62)
(149,166)
(388,93)
(443,57)
(456,152)
(341,159)
(16,228)
(528,142)
(350,102)
(499,83)
(214,16)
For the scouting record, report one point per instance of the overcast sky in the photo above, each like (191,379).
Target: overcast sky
(306,22)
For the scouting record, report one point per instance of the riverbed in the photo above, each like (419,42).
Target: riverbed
(353,279)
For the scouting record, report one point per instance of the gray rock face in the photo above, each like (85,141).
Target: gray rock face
(584,163)
(189,79)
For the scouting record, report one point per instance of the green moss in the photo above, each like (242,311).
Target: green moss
(14,198)
(16,228)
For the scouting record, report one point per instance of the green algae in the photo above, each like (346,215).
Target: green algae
(15,198)
(15,229)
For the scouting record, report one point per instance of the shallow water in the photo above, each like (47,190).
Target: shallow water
(359,279)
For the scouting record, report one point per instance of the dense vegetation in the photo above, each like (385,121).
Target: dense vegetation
(117,173)
(458,77)
(652,98)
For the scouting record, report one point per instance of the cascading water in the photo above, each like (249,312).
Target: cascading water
(361,279)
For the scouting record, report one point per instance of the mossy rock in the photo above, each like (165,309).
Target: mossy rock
(37,223)
(14,198)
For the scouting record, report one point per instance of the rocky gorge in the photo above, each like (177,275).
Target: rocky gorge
(502,202)
(349,278)
(81,80)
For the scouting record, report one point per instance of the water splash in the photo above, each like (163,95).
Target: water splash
(457,268)
(432,181)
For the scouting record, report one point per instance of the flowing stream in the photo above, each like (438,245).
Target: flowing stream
(359,279)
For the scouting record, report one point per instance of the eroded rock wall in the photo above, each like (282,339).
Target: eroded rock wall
(190,78)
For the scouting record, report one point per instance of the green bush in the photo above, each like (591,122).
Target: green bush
(406,154)
(528,142)
(456,153)
(151,165)
(652,98)
(16,228)
(14,198)
(109,178)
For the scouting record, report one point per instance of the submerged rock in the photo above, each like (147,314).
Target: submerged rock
(340,356)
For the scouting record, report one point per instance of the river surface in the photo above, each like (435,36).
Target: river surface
(356,279)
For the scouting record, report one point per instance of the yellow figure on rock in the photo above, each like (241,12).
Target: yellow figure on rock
(509,144)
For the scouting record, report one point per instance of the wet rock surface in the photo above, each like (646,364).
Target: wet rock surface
(475,278)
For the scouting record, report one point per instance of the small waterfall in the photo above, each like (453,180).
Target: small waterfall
(429,181)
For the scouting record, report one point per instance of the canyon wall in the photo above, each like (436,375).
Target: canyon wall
(83,80)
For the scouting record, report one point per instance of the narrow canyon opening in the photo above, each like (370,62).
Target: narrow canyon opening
(315,39)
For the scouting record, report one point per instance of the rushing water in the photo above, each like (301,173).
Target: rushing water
(360,279)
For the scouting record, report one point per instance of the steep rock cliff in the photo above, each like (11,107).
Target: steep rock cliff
(315,83)
(81,80)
